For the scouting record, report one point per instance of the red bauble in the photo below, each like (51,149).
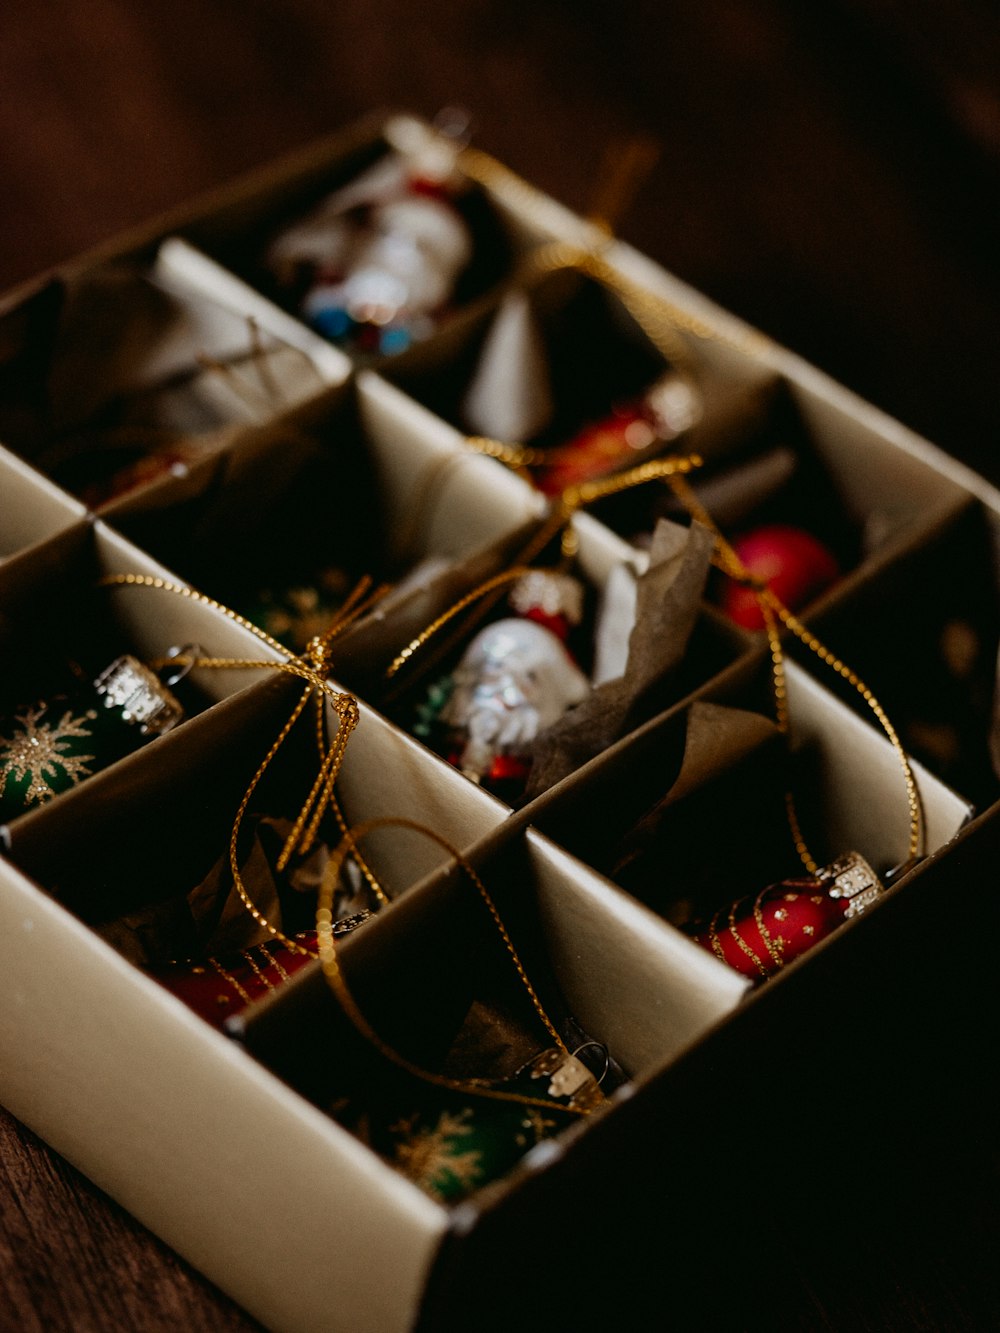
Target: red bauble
(759,936)
(793,563)
(216,988)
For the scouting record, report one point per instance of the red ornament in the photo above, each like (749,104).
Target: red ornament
(794,564)
(216,988)
(599,448)
(758,936)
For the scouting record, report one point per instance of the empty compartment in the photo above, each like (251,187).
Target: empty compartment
(924,636)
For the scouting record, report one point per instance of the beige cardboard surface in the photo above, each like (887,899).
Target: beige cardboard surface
(386,772)
(452,501)
(31,507)
(863,795)
(268,1197)
(646,988)
(180,266)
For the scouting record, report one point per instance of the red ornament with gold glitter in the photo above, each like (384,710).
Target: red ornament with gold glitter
(759,936)
(218,987)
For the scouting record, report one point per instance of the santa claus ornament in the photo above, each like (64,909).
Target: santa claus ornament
(376,262)
(515,678)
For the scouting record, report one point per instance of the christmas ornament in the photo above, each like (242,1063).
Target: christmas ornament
(449,1144)
(451,1135)
(378,261)
(796,566)
(218,987)
(759,937)
(670,407)
(514,679)
(47,747)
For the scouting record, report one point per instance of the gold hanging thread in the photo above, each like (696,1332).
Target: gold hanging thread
(318,687)
(773,610)
(333,973)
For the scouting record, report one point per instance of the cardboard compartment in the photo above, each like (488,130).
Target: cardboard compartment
(55,609)
(689,813)
(630,981)
(32,509)
(936,606)
(75,700)
(108,852)
(122,372)
(523,677)
(588,371)
(360,482)
(137,1049)
(332,212)
(184,1130)
(811,505)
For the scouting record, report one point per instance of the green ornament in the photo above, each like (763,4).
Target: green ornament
(451,1142)
(47,748)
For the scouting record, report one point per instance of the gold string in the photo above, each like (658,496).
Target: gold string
(559,518)
(660,319)
(627,163)
(318,686)
(514,456)
(654,469)
(773,609)
(528,200)
(330,964)
(487,586)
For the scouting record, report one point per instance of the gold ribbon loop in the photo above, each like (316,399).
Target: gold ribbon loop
(317,687)
(773,610)
(330,964)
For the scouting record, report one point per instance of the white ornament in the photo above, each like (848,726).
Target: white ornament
(514,680)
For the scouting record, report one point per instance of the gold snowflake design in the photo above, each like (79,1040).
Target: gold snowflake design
(36,753)
(534,1127)
(428,1154)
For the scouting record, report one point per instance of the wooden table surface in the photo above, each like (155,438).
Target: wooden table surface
(828,172)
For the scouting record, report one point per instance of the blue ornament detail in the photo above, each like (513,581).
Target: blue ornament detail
(333,322)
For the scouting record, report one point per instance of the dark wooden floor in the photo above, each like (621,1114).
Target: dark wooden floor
(829,172)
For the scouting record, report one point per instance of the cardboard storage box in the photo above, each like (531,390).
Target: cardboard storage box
(748,1114)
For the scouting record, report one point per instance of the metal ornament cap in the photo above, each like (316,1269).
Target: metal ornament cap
(144,701)
(853,879)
